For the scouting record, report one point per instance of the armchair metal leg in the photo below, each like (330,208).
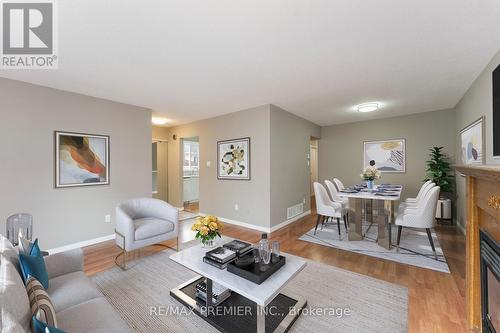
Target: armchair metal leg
(176,248)
(123,266)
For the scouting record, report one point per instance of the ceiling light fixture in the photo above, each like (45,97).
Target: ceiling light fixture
(368,107)
(159,120)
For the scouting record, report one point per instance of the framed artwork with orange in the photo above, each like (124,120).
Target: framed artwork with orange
(81,159)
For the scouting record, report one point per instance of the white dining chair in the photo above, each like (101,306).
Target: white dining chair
(426,186)
(414,202)
(339,184)
(326,208)
(334,194)
(420,216)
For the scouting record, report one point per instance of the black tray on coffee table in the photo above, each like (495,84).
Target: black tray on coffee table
(257,272)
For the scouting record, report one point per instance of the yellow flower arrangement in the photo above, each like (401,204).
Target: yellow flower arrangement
(207,227)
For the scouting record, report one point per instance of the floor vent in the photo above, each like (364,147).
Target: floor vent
(294,210)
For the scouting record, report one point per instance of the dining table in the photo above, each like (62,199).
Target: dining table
(379,208)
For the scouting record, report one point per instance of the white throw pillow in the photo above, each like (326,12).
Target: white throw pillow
(8,324)
(24,245)
(13,296)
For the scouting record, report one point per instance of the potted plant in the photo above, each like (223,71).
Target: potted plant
(207,228)
(370,173)
(439,170)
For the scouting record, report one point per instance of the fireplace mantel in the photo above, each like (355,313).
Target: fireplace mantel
(483,212)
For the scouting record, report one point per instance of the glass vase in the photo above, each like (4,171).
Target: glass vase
(208,243)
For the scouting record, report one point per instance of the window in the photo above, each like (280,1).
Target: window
(191,158)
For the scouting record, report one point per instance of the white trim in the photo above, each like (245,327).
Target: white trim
(241,224)
(258,227)
(287,222)
(81,244)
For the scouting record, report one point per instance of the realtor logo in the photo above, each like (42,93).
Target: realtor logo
(28,35)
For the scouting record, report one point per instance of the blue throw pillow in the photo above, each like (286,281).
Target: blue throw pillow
(39,327)
(35,249)
(34,266)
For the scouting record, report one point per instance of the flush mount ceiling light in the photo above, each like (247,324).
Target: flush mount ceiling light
(159,120)
(368,107)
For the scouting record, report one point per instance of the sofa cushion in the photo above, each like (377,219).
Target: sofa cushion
(149,227)
(96,316)
(71,289)
(40,303)
(12,288)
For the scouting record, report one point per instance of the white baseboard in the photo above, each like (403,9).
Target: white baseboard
(461,228)
(258,227)
(239,223)
(81,244)
(287,222)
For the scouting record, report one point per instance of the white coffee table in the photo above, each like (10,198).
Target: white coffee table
(251,307)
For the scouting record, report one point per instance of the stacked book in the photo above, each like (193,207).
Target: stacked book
(222,256)
(219,257)
(219,293)
(238,246)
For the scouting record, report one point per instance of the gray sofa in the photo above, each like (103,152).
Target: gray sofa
(79,305)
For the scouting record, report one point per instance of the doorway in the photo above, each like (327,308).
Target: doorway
(191,174)
(159,172)
(313,163)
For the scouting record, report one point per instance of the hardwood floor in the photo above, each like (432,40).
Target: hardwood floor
(436,300)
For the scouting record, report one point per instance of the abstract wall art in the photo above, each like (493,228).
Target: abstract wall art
(233,159)
(388,155)
(472,140)
(81,159)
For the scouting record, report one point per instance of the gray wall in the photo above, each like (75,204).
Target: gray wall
(218,197)
(476,102)
(29,115)
(341,146)
(290,172)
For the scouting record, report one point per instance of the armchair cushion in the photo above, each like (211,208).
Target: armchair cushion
(149,227)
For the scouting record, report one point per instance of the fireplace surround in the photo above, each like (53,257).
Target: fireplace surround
(490,282)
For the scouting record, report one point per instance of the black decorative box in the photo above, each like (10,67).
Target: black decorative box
(257,273)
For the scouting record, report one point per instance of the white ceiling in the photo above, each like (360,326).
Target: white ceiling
(316,58)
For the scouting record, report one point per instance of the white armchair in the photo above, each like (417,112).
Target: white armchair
(421,216)
(142,222)
(326,208)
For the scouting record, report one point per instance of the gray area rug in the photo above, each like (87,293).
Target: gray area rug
(375,305)
(414,248)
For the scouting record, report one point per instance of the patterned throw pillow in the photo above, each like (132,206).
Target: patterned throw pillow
(40,303)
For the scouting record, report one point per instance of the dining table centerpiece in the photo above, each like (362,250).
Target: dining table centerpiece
(207,229)
(370,174)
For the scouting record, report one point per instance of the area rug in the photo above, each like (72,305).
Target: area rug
(414,248)
(374,305)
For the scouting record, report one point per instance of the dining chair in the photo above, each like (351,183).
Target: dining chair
(426,186)
(326,208)
(339,184)
(420,216)
(334,194)
(414,202)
